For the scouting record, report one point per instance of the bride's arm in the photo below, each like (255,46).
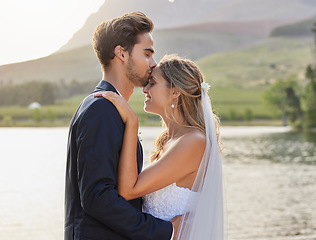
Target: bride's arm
(181,159)
(127,168)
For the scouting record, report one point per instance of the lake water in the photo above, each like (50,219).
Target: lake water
(269,174)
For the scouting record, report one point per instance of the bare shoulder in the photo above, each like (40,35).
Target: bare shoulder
(193,140)
(190,149)
(195,137)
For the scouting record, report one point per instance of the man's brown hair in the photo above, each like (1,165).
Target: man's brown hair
(121,31)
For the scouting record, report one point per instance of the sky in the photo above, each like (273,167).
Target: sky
(31,29)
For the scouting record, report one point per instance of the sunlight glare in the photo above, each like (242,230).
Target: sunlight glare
(36,28)
(33,5)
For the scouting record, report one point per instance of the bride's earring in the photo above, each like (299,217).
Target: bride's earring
(172,105)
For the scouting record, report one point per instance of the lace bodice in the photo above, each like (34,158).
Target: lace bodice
(169,202)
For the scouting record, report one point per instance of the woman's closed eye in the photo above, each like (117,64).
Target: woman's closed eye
(151,82)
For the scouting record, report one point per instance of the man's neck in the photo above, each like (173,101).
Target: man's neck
(121,83)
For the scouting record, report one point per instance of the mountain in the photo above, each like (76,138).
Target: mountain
(195,29)
(181,13)
(260,65)
(299,29)
(77,64)
(82,65)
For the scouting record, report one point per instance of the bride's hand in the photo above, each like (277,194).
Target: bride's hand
(127,113)
(175,223)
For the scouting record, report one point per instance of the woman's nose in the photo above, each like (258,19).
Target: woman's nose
(145,90)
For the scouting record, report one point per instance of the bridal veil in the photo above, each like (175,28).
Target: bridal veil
(206,219)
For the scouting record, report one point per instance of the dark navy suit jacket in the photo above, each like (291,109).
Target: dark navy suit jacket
(93,208)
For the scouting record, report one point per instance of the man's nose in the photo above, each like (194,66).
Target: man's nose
(153,63)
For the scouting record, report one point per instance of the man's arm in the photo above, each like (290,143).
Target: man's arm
(99,135)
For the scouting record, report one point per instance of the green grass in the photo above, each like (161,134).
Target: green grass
(238,79)
(74,100)
(58,114)
(269,122)
(227,102)
(258,66)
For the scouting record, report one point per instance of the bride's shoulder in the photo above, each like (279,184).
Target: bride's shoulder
(195,134)
(195,139)
(190,149)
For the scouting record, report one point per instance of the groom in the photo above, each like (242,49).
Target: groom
(93,208)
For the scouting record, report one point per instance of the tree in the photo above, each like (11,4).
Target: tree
(248,114)
(283,97)
(293,105)
(37,115)
(51,115)
(47,95)
(26,93)
(309,98)
(232,115)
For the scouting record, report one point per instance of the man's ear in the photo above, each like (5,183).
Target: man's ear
(119,52)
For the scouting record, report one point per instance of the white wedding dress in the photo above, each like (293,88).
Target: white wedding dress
(203,206)
(169,202)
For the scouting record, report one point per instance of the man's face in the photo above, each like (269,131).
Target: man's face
(141,61)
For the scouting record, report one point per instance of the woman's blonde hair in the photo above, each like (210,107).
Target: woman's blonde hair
(185,76)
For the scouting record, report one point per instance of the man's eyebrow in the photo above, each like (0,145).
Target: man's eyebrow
(150,50)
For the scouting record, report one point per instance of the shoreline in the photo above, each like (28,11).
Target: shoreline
(66,123)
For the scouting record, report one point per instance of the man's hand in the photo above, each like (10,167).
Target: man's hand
(176,222)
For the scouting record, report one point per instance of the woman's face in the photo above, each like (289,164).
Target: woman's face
(158,94)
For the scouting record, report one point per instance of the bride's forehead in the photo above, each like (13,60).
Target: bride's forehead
(156,72)
(157,77)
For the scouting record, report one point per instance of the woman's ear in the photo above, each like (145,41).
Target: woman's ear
(119,52)
(175,93)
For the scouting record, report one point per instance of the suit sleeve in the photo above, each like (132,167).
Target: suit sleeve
(99,141)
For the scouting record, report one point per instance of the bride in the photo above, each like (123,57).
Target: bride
(185,177)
